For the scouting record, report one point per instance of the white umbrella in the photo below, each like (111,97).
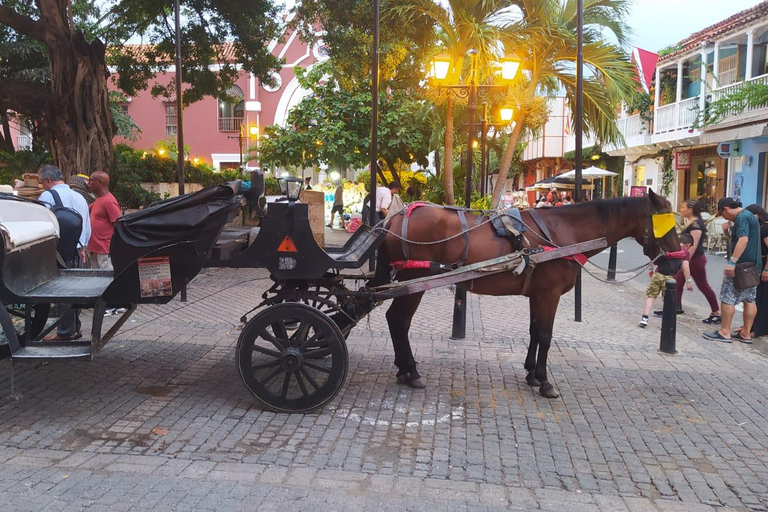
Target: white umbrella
(589,173)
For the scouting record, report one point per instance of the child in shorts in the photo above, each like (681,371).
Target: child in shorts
(659,280)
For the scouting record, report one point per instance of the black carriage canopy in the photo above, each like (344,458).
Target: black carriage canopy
(178,218)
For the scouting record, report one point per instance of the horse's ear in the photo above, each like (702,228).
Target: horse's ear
(654,197)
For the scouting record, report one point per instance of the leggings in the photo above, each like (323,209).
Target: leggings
(699,274)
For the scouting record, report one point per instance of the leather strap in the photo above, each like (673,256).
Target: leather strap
(540,222)
(465,232)
(404,234)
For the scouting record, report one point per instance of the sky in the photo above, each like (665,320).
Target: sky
(657,24)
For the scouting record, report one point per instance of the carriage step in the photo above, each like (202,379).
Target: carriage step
(71,351)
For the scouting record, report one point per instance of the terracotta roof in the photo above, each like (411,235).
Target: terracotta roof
(227,51)
(720,29)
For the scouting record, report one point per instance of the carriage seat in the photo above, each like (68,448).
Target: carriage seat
(17,234)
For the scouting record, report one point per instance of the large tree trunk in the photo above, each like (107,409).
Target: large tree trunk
(448,157)
(80,120)
(6,140)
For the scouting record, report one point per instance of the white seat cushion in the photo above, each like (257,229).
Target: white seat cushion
(20,233)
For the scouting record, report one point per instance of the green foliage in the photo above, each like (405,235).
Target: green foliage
(669,50)
(132,167)
(667,171)
(126,127)
(642,104)
(480,202)
(13,165)
(749,95)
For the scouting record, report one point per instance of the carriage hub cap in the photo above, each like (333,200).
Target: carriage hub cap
(291,359)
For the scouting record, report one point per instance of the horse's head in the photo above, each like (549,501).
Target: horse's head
(658,236)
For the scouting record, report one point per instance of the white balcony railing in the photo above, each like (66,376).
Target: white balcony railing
(24,142)
(632,126)
(666,118)
(728,90)
(686,112)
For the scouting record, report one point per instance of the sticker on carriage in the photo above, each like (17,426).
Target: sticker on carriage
(286,263)
(155,277)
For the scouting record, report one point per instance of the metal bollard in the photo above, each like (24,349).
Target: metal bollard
(669,320)
(459,329)
(612,263)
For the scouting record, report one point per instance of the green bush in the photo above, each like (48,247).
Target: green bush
(13,165)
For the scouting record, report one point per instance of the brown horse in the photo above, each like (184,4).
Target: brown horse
(613,219)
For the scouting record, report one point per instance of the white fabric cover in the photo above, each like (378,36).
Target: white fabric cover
(22,223)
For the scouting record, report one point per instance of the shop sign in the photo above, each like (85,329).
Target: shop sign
(638,191)
(682,160)
(729,149)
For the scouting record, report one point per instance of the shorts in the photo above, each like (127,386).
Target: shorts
(657,284)
(730,295)
(338,208)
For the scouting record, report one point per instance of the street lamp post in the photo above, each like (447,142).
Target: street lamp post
(440,67)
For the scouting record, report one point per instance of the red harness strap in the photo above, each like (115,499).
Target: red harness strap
(578,258)
(418,264)
(412,207)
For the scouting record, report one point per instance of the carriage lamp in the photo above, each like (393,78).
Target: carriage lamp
(509,66)
(335,176)
(291,187)
(253,130)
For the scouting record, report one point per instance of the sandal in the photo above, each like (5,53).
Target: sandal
(716,336)
(737,336)
(712,319)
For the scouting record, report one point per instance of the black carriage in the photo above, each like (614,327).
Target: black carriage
(292,354)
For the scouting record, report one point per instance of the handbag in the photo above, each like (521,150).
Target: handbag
(746,276)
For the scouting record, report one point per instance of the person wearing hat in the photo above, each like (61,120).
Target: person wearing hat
(745,247)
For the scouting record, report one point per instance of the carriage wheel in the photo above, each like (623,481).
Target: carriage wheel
(292,357)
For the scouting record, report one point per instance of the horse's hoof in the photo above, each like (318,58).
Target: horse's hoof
(532,380)
(548,390)
(417,383)
(403,378)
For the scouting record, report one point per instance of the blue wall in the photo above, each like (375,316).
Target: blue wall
(750,192)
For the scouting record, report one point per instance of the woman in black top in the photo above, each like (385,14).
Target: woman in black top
(760,327)
(691,211)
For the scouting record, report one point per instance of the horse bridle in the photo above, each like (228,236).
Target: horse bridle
(660,250)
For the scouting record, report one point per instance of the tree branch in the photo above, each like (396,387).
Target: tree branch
(22,24)
(25,99)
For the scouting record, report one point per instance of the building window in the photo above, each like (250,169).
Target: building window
(170,119)
(232,111)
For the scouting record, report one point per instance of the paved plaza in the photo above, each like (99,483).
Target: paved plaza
(160,419)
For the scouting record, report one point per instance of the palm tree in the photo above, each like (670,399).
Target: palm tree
(546,41)
(462,25)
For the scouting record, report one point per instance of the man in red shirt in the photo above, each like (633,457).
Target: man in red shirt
(104,214)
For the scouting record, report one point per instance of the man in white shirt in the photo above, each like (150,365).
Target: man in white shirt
(51,178)
(384,199)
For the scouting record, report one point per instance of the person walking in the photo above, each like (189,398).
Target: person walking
(691,211)
(104,213)
(307,183)
(338,206)
(745,237)
(760,327)
(58,192)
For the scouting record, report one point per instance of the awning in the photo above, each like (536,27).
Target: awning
(735,133)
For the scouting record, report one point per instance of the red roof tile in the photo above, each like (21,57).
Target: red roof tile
(718,30)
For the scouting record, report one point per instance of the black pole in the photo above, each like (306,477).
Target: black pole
(612,263)
(374,120)
(578,122)
(179,117)
(459,330)
(483,156)
(667,342)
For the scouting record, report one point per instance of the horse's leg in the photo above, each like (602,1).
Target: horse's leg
(530,359)
(399,316)
(543,308)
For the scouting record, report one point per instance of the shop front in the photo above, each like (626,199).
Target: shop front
(705,177)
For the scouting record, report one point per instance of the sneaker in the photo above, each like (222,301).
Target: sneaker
(712,319)
(109,312)
(644,321)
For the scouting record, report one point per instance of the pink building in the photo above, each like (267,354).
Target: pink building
(213,128)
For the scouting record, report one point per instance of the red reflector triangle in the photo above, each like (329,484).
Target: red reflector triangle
(287,245)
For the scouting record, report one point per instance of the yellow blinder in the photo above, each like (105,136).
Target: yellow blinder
(662,224)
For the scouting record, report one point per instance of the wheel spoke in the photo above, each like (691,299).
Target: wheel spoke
(301,332)
(286,381)
(317,367)
(301,384)
(310,379)
(309,341)
(271,376)
(266,351)
(265,365)
(268,336)
(280,331)
(317,353)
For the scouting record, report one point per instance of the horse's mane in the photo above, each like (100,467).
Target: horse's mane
(614,211)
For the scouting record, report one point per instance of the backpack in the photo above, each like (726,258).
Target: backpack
(70,228)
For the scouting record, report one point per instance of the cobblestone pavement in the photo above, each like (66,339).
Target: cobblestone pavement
(160,420)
